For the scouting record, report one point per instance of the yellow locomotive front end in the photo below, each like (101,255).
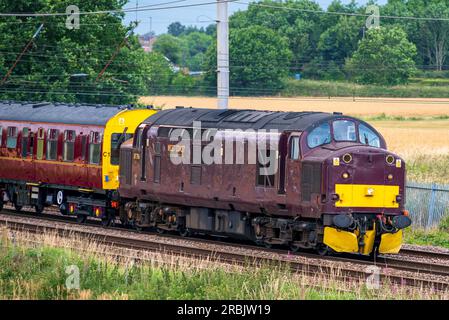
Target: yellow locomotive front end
(118,129)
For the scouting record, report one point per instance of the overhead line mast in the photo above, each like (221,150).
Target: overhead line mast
(222,54)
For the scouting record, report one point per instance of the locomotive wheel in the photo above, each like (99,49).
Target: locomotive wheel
(268,245)
(160,231)
(81,218)
(294,248)
(323,249)
(17,207)
(63,209)
(107,222)
(184,232)
(39,208)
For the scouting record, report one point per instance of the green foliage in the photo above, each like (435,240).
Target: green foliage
(384,56)
(261,59)
(169,46)
(46,71)
(432,238)
(321,88)
(175,29)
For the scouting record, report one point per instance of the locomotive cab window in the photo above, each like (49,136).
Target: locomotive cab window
(69,145)
(319,136)
(116,141)
(52,144)
(344,130)
(11,141)
(294,148)
(94,148)
(367,136)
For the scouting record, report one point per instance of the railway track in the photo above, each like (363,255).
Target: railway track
(392,270)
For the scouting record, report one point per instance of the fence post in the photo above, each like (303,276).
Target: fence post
(431,206)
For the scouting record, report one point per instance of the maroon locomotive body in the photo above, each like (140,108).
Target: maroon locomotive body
(305,179)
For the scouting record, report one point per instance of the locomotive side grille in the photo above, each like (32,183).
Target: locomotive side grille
(310,180)
(126,166)
(195,175)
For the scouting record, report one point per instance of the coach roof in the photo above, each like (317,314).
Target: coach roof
(240,119)
(88,114)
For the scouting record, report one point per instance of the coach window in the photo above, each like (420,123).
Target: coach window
(52,144)
(25,142)
(344,130)
(40,143)
(94,148)
(319,136)
(11,141)
(69,145)
(1,136)
(294,148)
(367,136)
(116,141)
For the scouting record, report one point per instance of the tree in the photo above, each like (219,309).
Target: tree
(260,59)
(176,29)
(384,56)
(63,64)
(432,36)
(169,46)
(300,26)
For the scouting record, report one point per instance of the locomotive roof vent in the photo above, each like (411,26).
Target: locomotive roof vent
(179,107)
(338,113)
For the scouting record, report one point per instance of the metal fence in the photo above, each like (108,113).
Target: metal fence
(427,204)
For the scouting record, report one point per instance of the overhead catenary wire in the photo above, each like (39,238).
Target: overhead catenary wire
(138,9)
(355,14)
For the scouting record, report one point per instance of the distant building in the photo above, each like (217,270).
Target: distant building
(147,42)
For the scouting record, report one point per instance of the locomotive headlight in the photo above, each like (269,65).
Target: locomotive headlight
(347,158)
(390,177)
(389,159)
(398,198)
(345,175)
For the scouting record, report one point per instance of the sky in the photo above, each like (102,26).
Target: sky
(158,20)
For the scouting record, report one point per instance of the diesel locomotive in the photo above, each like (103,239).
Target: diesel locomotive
(307,180)
(335,187)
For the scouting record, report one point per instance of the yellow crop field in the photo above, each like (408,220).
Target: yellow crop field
(361,106)
(423,141)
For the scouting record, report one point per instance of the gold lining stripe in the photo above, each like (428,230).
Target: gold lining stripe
(63,163)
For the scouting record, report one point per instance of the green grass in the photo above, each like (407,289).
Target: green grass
(385,117)
(317,88)
(430,238)
(437,237)
(40,273)
(27,273)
